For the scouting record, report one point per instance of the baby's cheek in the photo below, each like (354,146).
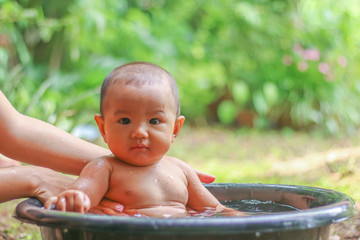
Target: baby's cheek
(166,139)
(167,144)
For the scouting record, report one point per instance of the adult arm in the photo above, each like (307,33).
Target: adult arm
(31,181)
(39,143)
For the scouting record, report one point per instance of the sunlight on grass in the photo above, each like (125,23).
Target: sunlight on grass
(247,157)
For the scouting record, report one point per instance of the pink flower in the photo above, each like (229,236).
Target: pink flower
(311,54)
(324,68)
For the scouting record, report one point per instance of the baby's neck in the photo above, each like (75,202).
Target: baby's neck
(153,164)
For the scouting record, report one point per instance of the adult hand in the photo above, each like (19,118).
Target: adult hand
(31,181)
(204,177)
(47,183)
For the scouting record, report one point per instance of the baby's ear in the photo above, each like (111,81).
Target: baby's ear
(99,119)
(177,127)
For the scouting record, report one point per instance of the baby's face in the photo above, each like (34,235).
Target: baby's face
(139,122)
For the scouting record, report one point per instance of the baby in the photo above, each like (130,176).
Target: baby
(140,119)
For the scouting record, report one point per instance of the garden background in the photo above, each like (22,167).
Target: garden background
(270,88)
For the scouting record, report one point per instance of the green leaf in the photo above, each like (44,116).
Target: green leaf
(270,92)
(260,103)
(241,92)
(227,112)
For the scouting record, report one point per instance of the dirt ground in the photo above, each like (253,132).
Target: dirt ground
(348,230)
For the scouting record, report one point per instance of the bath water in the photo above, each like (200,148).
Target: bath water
(251,207)
(259,207)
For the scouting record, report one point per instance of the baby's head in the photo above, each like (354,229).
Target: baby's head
(140,74)
(140,112)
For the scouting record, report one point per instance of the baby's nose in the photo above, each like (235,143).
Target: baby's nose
(140,131)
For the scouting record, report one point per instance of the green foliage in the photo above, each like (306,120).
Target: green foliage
(227,112)
(289,63)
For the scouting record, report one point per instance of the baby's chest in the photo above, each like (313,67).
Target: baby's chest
(148,187)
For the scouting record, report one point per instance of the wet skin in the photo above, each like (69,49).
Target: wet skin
(139,124)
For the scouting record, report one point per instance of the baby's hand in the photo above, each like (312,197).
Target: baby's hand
(70,201)
(229,212)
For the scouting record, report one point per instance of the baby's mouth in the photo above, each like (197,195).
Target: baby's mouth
(140,147)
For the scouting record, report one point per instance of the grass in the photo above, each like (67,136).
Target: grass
(250,156)
(243,156)
(12,229)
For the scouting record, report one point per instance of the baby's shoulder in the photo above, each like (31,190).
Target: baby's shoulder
(177,162)
(103,161)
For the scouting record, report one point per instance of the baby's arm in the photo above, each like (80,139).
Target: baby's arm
(87,191)
(200,199)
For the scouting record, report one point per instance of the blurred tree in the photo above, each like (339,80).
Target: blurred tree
(249,63)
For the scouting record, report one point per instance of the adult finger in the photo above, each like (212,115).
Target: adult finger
(103,210)
(204,177)
(106,211)
(115,206)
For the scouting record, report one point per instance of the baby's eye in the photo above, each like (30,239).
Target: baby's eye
(124,121)
(154,121)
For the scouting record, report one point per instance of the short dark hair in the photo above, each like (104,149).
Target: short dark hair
(137,73)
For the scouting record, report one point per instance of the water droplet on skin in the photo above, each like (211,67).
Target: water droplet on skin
(119,208)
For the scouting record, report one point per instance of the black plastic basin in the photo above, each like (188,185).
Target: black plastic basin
(318,209)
